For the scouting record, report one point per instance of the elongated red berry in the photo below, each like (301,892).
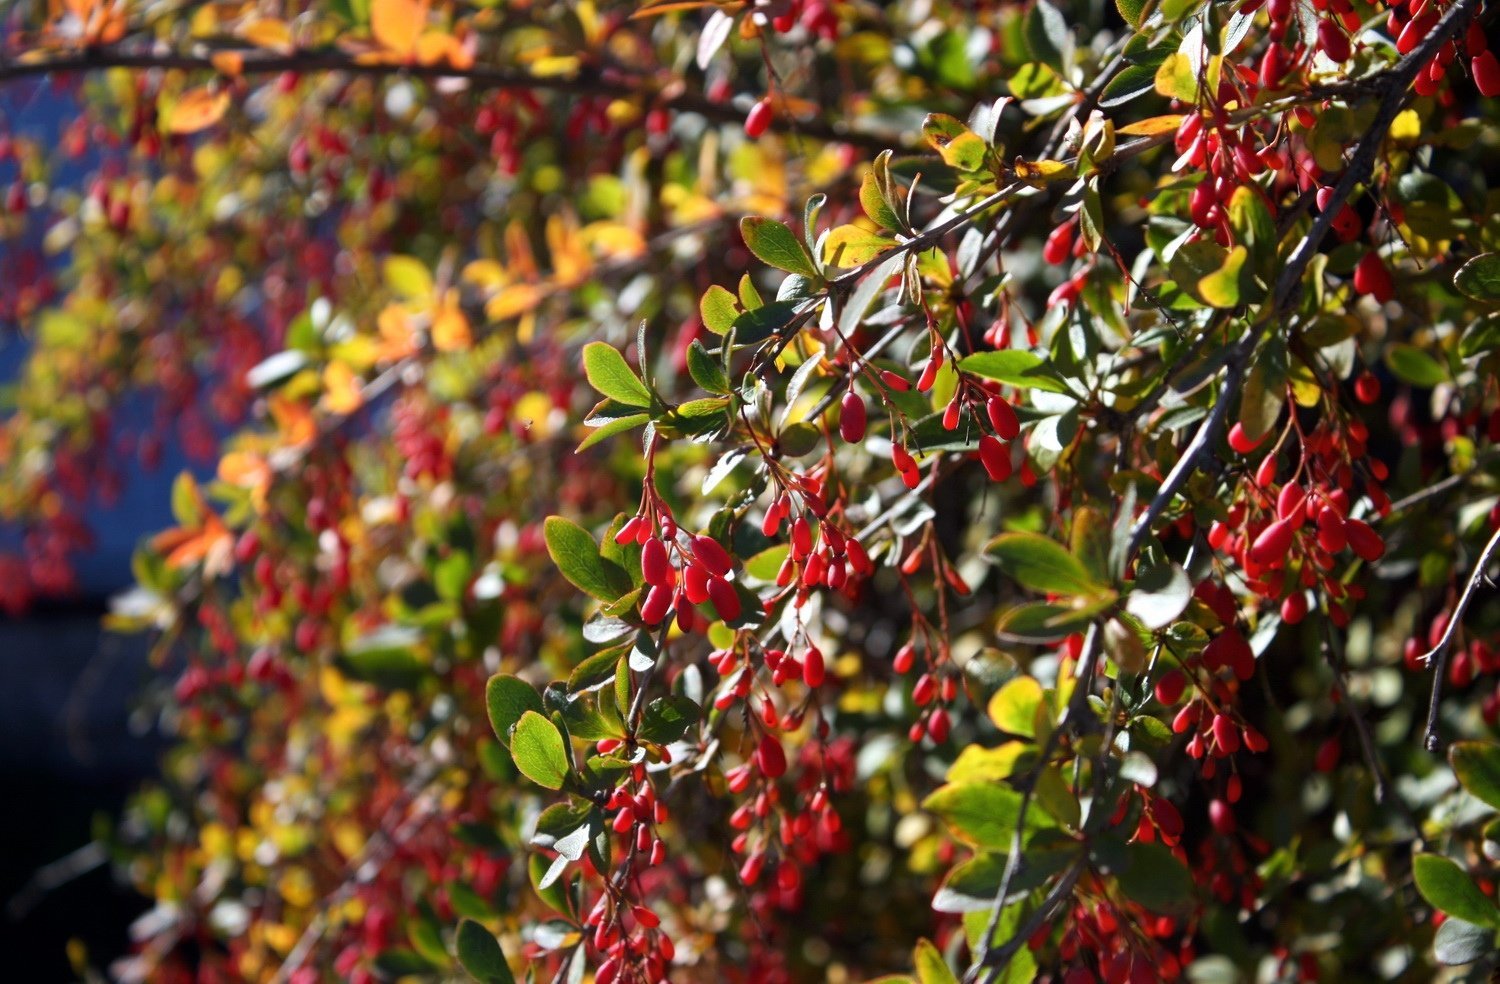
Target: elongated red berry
(656,568)
(1059,244)
(852,418)
(995,458)
(1003,418)
(726,600)
(1170,686)
(1371,277)
(770,757)
(895,381)
(758,120)
(813,667)
(711,555)
(1331,533)
(1333,41)
(1364,541)
(1290,500)
(1274,542)
(1366,387)
(1242,442)
(951,414)
(1486,73)
(658,602)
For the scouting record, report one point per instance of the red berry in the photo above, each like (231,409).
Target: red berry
(712,556)
(852,418)
(726,600)
(1364,541)
(770,757)
(1486,74)
(1274,543)
(1366,387)
(1242,442)
(1371,277)
(1003,418)
(758,120)
(656,568)
(994,457)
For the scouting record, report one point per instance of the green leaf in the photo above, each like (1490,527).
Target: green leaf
(667,719)
(971,886)
(1134,11)
(618,425)
(1477,765)
(479,953)
(1449,888)
(1458,942)
(705,370)
(929,964)
(1013,707)
(873,201)
(1041,564)
(775,243)
(1481,336)
(1129,84)
(1480,277)
(1155,878)
(537,747)
(576,554)
(763,322)
(609,373)
(545,875)
(386,657)
(1159,595)
(981,814)
(718,308)
(596,671)
(507,698)
(959,146)
(1015,367)
(1412,365)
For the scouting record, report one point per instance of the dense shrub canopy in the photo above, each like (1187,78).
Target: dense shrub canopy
(786,490)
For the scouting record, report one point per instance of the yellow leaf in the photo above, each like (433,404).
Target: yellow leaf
(1407,126)
(450,329)
(397,24)
(268,32)
(1041,172)
(851,246)
(197,110)
(341,393)
(1151,127)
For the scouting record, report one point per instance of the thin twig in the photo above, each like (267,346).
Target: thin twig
(1439,653)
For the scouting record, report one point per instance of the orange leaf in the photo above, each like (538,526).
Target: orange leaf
(197,110)
(450,329)
(230,63)
(397,24)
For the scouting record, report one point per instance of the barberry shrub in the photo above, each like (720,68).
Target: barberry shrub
(781,490)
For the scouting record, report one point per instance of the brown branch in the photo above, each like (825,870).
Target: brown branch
(1437,658)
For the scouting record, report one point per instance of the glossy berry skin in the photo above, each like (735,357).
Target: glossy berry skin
(758,120)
